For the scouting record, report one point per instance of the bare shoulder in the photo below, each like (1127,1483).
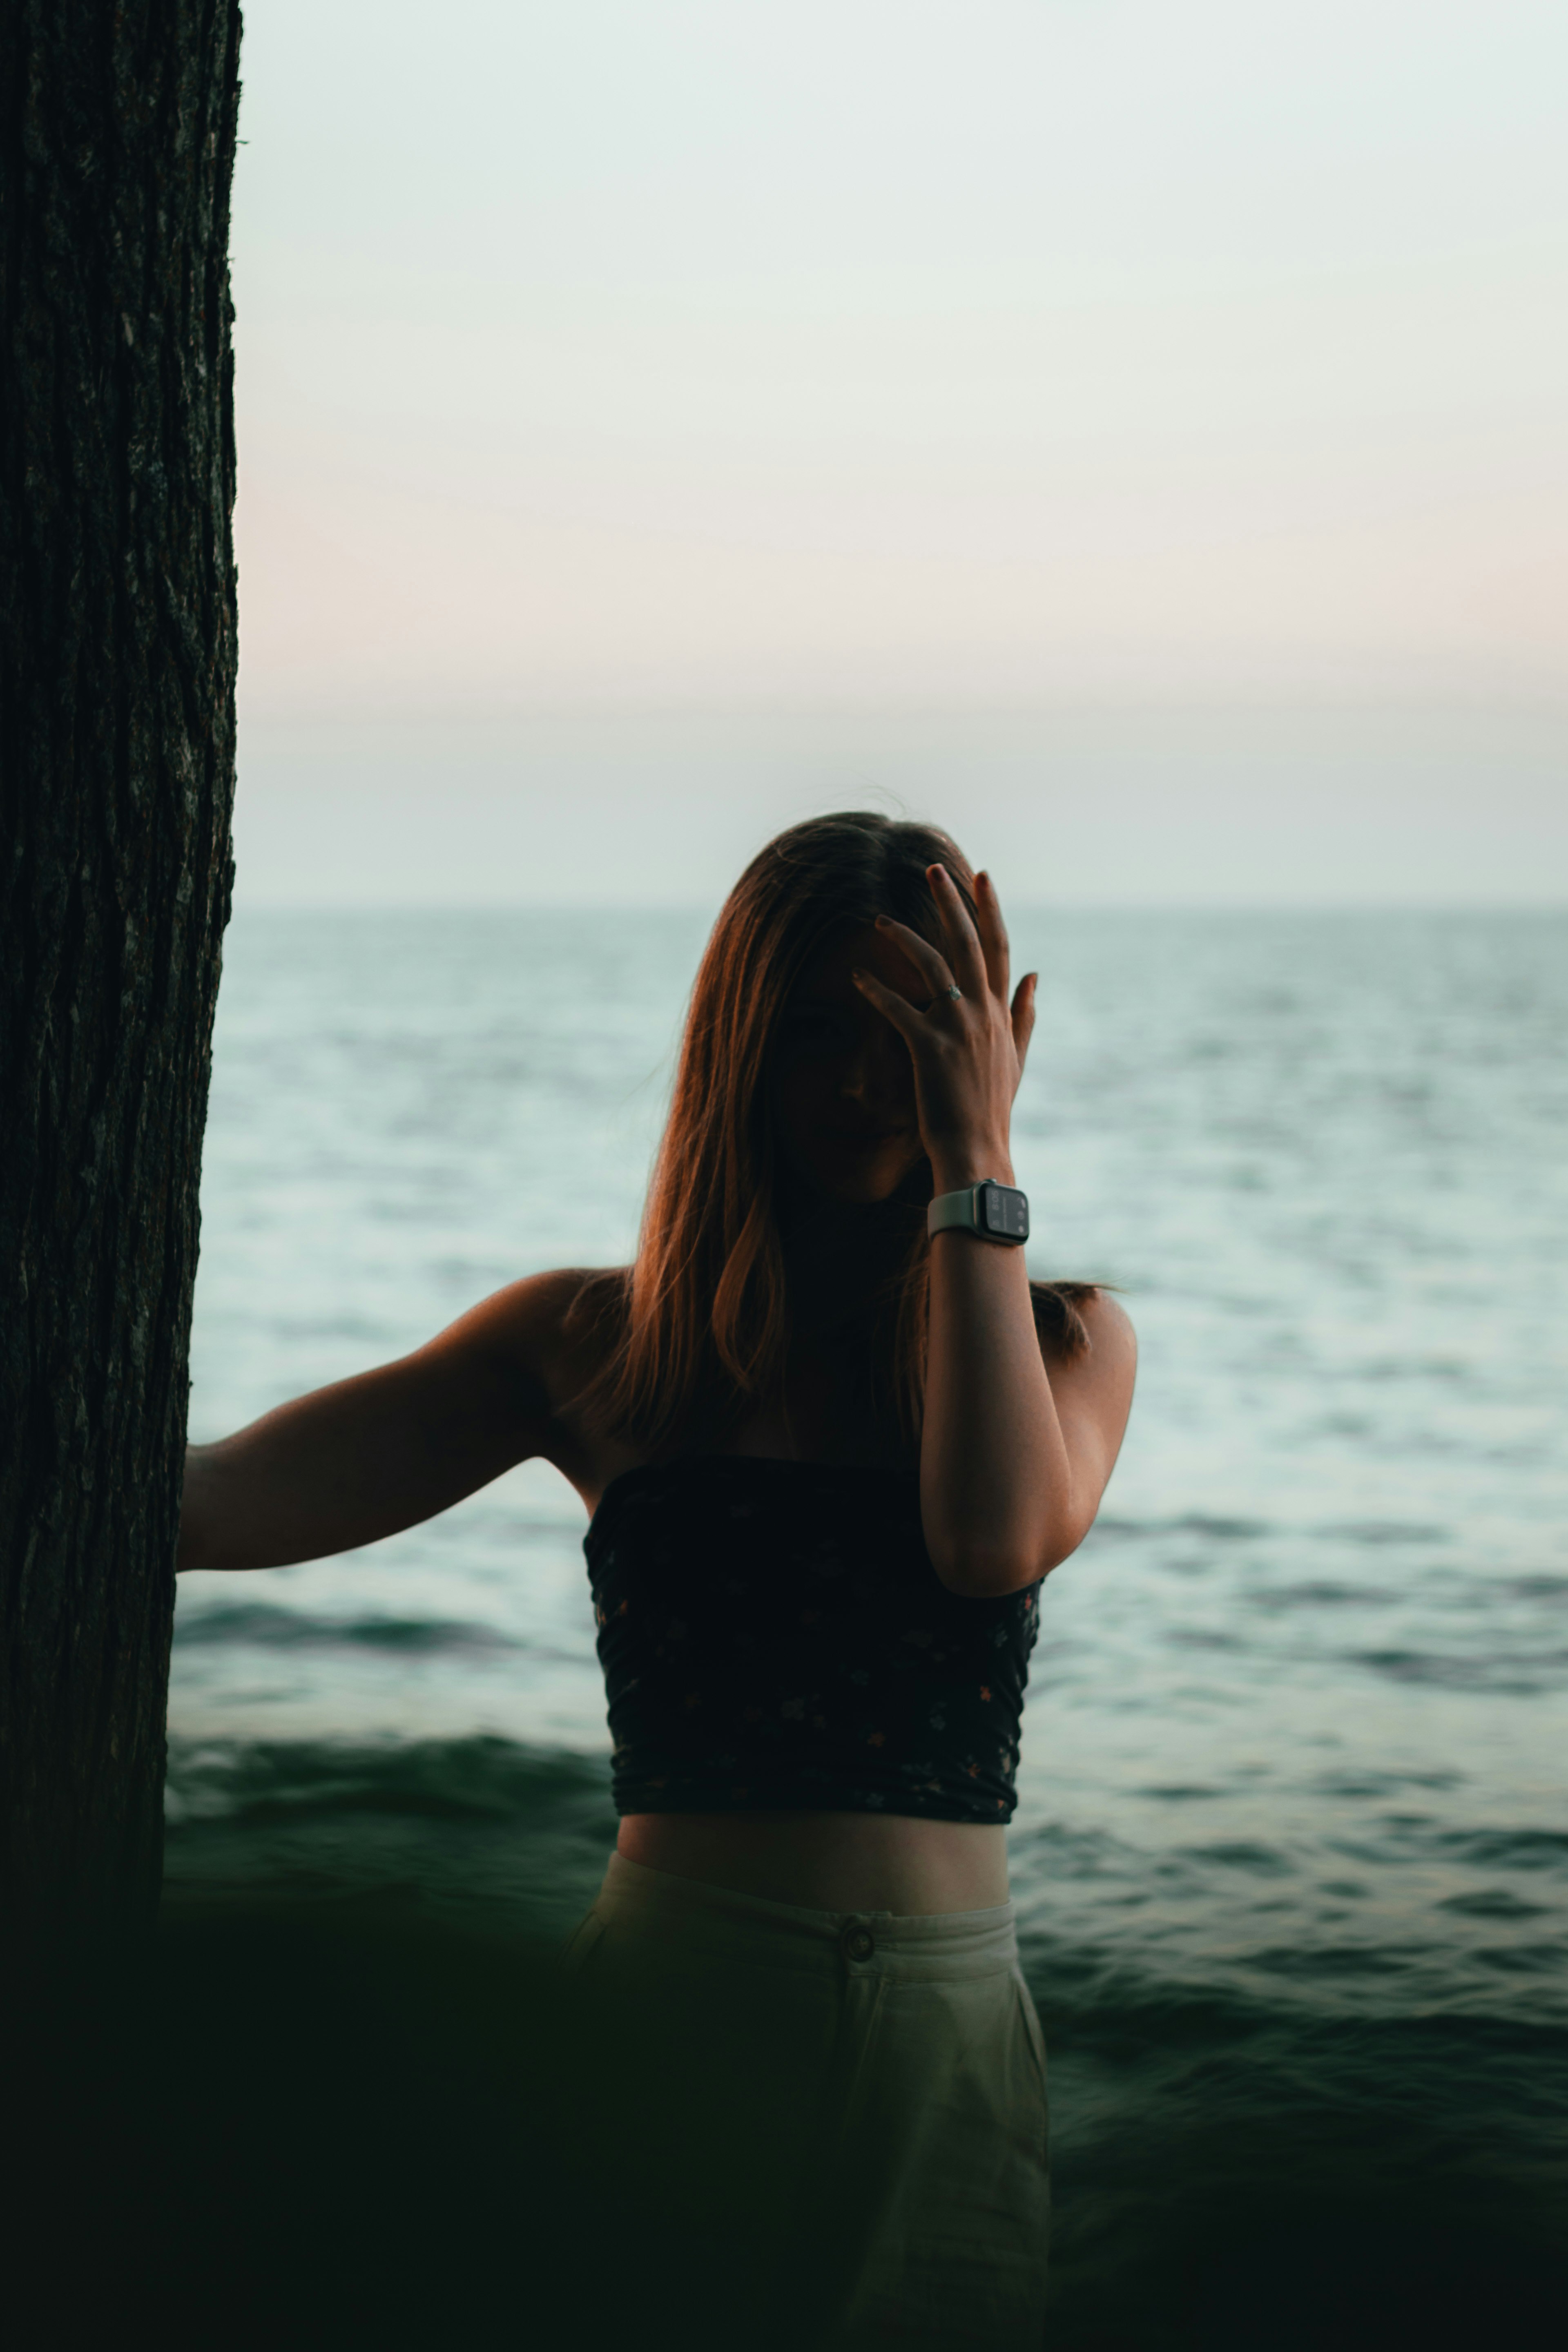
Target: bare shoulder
(1075,1320)
(1109,1326)
(553,1326)
(1090,1350)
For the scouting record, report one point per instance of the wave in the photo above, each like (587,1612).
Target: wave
(479,1776)
(1192,1523)
(502,1836)
(264,1624)
(1518,1674)
(1317,1593)
(1508,1849)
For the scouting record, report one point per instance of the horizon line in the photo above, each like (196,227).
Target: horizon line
(1117,907)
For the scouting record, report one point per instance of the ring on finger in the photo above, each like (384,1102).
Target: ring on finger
(954,992)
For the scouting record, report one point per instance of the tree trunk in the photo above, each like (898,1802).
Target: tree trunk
(117,668)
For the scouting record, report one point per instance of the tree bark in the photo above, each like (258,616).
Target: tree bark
(117,671)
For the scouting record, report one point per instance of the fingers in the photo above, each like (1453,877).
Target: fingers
(928,964)
(963,947)
(1023,1015)
(992,934)
(896,1008)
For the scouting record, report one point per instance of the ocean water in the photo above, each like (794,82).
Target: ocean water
(1291,1851)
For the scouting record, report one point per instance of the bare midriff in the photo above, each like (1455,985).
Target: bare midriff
(828,1861)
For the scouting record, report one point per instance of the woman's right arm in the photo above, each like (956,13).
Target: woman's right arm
(351,1463)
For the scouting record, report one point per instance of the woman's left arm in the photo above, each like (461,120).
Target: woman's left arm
(1015,1455)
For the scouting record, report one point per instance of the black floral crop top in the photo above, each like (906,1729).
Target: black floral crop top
(774,1635)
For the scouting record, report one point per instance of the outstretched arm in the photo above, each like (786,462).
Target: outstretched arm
(1014,1456)
(351,1463)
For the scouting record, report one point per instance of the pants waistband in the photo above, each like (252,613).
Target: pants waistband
(926,1945)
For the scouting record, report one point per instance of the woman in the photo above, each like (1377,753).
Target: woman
(832,1439)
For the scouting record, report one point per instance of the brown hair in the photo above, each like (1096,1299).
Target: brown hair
(697,1324)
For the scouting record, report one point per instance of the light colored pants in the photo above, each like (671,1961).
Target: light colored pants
(856,2100)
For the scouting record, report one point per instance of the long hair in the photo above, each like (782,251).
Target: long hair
(698,1326)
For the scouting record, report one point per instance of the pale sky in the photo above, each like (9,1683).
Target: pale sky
(880,357)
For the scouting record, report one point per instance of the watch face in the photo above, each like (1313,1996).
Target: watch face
(1006,1212)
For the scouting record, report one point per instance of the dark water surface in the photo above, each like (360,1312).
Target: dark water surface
(1291,1855)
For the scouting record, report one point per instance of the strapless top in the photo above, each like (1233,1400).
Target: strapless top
(774,1636)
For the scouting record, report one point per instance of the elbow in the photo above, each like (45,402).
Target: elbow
(985,1575)
(982,1571)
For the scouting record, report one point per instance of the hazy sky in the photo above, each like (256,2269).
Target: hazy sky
(883,354)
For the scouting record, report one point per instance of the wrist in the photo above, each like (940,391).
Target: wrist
(955,1168)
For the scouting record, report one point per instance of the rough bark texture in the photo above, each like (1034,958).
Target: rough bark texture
(117,667)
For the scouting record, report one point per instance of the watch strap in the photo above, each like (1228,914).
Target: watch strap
(954,1209)
(962,1212)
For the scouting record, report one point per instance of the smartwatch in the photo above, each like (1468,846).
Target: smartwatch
(998,1212)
